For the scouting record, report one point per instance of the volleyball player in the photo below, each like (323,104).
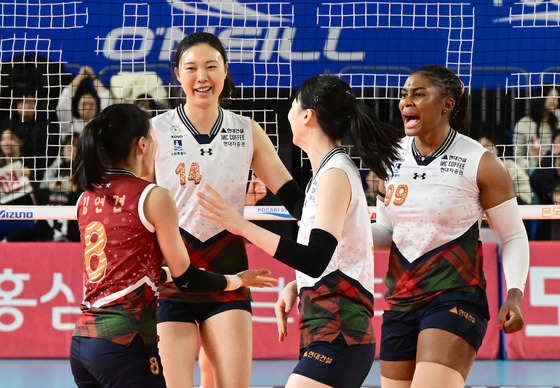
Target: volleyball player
(429,213)
(127,226)
(333,254)
(200,142)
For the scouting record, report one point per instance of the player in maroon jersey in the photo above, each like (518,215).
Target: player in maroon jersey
(128,225)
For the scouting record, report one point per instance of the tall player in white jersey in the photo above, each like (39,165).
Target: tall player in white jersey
(127,226)
(202,143)
(333,253)
(429,213)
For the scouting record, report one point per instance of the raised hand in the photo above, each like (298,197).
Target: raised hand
(221,211)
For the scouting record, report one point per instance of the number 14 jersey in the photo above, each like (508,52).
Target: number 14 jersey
(187,159)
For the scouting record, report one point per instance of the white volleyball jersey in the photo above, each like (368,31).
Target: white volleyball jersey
(433,201)
(354,253)
(186,160)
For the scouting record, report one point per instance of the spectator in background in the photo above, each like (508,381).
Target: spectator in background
(520,180)
(371,187)
(58,189)
(544,182)
(147,103)
(518,173)
(555,224)
(34,128)
(80,101)
(15,187)
(532,135)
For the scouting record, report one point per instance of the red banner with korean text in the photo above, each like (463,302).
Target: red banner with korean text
(540,338)
(41,287)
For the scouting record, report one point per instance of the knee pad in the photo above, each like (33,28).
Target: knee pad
(431,374)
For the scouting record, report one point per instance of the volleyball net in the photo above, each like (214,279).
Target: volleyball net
(506,54)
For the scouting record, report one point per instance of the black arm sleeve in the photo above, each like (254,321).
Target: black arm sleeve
(311,259)
(292,197)
(162,276)
(197,280)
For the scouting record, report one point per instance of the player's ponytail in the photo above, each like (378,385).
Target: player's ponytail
(340,114)
(376,142)
(107,139)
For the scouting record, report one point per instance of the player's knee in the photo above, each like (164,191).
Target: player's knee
(431,374)
(391,383)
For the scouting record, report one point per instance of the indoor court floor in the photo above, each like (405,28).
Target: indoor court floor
(24,373)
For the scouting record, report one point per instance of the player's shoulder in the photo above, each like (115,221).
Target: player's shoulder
(164,118)
(230,115)
(468,143)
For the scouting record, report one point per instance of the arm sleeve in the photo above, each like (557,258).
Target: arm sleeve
(311,259)
(292,197)
(506,221)
(381,229)
(197,280)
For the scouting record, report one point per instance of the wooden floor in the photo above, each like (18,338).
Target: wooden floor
(21,373)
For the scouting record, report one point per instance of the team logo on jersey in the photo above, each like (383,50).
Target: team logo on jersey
(177,145)
(207,151)
(452,164)
(175,129)
(397,168)
(233,137)
(419,176)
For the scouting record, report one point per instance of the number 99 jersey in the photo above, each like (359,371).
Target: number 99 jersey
(434,201)
(434,207)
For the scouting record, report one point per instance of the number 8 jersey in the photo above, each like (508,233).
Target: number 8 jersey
(434,207)
(122,261)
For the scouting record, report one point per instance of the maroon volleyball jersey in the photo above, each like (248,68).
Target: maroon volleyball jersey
(122,261)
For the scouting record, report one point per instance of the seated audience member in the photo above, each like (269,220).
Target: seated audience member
(532,134)
(16,188)
(518,173)
(544,182)
(33,123)
(555,224)
(57,189)
(371,187)
(519,178)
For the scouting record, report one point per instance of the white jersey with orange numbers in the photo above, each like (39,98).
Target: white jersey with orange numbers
(354,253)
(434,200)
(186,160)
